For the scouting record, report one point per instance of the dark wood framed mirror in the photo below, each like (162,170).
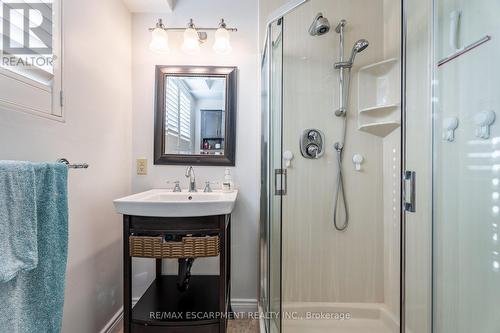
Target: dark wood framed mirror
(195,115)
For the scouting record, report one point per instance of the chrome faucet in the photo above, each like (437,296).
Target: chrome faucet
(192,179)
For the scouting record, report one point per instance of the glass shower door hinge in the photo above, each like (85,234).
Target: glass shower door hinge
(280,181)
(409,192)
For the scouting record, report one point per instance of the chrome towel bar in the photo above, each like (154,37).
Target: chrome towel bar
(73,166)
(464,50)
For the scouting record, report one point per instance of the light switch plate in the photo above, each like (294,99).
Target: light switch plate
(142,167)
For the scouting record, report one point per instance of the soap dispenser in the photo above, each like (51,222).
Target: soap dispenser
(227,185)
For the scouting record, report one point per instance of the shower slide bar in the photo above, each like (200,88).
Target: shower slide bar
(73,166)
(464,50)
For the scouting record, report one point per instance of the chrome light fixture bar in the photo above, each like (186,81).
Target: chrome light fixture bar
(193,37)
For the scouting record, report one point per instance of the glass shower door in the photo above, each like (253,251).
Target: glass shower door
(417,158)
(452,249)
(467,167)
(273,181)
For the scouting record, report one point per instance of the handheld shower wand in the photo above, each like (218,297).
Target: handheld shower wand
(344,67)
(358,47)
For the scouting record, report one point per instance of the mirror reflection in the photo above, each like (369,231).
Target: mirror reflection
(195,109)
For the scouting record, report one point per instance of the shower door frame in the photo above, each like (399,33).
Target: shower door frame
(264,234)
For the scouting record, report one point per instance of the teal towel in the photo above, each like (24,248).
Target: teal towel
(32,302)
(18,242)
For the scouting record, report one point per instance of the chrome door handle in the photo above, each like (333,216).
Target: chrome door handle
(280,189)
(409,191)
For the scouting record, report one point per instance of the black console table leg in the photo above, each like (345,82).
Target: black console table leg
(158,268)
(223,274)
(127,274)
(228,281)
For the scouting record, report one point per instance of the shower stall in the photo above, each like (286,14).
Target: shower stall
(380,176)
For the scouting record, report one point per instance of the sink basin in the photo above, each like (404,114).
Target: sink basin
(165,203)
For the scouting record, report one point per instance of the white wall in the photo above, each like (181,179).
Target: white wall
(243,15)
(97,76)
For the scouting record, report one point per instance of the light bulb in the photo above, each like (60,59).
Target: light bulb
(222,44)
(159,41)
(191,43)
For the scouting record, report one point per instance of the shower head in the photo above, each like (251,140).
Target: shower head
(319,26)
(358,47)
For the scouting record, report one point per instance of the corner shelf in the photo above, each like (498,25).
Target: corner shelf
(380,108)
(379,99)
(381,129)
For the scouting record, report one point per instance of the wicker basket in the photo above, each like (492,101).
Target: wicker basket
(189,247)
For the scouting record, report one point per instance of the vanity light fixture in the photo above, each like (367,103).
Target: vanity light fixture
(193,38)
(159,38)
(222,44)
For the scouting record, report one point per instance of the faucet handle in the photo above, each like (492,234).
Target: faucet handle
(208,186)
(177,186)
(207,189)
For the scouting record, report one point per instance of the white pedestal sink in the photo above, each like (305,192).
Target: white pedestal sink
(165,203)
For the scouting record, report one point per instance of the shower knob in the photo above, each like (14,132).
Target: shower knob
(313,135)
(313,150)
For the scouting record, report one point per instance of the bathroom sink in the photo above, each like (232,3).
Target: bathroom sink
(165,203)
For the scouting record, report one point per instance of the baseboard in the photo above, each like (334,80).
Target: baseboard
(244,305)
(115,321)
(113,324)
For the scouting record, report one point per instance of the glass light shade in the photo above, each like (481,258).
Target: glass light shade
(222,44)
(191,43)
(159,41)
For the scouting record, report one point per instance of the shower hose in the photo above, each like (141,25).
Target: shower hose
(340,197)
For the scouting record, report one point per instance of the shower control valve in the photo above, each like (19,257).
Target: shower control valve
(312,142)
